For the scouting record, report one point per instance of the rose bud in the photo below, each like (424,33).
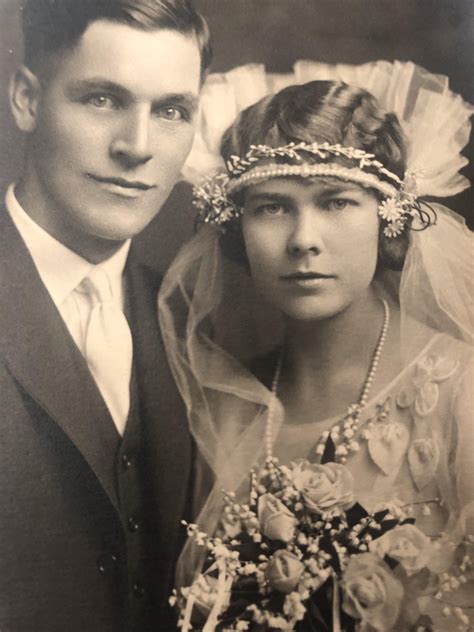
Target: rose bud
(284,571)
(277,521)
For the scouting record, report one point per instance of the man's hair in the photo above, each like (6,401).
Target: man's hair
(50,26)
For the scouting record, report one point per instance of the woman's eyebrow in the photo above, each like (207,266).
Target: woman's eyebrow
(330,188)
(274,197)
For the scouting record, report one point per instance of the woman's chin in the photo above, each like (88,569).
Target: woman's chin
(306,312)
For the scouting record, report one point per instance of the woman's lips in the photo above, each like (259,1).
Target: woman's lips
(307,280)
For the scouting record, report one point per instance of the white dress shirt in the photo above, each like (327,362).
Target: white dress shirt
(62,270)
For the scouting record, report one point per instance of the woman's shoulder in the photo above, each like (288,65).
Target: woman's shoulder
(420,342)
(453,353)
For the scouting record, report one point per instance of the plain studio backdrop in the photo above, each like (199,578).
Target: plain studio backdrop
(436,34)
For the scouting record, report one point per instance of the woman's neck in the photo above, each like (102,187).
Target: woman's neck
(326,362)
(333,342)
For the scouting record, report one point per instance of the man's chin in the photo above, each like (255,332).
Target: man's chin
(120,226)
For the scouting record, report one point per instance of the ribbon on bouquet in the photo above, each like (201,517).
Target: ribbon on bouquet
(224,585)
(186,626)
(336,606)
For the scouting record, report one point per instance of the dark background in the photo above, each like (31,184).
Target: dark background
(436,34)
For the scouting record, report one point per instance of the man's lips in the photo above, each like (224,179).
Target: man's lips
(122,182)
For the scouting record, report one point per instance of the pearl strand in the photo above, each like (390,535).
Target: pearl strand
(376,357)
(271,409)
(349,424)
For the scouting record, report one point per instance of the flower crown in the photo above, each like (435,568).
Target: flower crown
(213,196)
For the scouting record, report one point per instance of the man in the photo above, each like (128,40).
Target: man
(95,455)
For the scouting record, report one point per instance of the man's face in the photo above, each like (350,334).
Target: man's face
(113,127)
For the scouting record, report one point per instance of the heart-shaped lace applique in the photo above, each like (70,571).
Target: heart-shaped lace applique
(387,444)
(423,459)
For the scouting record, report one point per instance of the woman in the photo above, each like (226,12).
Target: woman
(309,229)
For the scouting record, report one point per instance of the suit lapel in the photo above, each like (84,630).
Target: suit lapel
(167,439)
(44,359)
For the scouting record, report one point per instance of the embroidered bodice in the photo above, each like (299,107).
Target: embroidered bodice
(413,444)
(408,436)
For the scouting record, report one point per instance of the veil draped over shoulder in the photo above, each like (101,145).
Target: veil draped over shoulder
(213,322)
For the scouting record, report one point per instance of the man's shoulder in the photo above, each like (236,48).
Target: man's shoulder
(12,247)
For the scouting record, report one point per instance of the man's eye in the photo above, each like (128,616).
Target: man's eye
(102,102)
(171,113)
(272,209)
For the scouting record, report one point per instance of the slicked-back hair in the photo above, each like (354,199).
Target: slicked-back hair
(50,26)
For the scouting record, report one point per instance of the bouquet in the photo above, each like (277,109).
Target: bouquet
(303,555)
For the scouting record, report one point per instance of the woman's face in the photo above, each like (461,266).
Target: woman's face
(312,244)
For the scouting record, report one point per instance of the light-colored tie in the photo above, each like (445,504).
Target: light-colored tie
(108,346)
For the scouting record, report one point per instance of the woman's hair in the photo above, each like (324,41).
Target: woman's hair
(51,26)
(321,111)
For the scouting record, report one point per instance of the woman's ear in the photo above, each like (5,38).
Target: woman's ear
(24,95)
(393,250)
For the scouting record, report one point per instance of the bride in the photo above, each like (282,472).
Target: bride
(323,304)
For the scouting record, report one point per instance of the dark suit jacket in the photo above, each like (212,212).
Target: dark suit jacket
(59,504)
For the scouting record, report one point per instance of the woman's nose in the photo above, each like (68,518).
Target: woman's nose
(132,143)
(306,232)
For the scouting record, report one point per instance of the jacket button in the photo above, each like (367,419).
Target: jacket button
(133,524)
(126,462)
(138,590)
(106,562)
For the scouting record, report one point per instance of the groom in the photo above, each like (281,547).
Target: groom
(95,455)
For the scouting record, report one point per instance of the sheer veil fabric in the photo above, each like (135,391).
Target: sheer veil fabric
(214,324)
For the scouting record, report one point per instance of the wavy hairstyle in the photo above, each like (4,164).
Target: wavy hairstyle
(322,111)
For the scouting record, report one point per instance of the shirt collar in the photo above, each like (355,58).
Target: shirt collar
(61,269)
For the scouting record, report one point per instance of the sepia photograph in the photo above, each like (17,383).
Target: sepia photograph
(237,316)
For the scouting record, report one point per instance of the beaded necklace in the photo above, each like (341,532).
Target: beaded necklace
(343,432)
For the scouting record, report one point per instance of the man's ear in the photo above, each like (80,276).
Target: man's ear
(24,95)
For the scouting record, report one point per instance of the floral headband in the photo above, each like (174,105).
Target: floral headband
(213,200)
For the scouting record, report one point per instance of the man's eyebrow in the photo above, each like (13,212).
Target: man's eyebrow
(187,99)
(81,86)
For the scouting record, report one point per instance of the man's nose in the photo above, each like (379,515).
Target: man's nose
(306,233)
(132,143)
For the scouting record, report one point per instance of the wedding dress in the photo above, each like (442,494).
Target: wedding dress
(416,434)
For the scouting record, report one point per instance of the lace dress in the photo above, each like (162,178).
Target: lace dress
(415,448)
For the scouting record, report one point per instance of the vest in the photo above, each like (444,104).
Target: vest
(125,561)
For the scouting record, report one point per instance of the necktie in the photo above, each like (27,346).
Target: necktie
(108,346)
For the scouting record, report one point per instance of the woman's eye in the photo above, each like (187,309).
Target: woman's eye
(171,113)
(102,102)
(271,209)
(337,204)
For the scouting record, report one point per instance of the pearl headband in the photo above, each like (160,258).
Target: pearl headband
(213,200)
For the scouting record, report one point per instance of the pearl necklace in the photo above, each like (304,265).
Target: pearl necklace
(343,433)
